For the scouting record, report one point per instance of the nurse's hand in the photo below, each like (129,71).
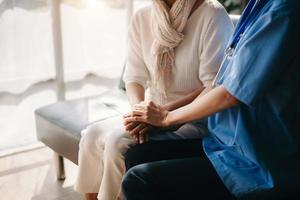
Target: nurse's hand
(149,113)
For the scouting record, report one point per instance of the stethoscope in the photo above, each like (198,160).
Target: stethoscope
(251,11)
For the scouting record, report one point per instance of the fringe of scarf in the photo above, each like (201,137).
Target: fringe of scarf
(167,26)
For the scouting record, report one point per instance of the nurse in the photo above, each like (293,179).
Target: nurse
(254,118)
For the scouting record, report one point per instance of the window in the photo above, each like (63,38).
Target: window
(94,50)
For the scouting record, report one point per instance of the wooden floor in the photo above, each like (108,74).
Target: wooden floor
(31,175)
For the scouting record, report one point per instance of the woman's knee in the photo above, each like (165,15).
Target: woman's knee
(117,143)
(91,139)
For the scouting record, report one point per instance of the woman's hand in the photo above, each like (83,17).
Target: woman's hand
(139,133)
(149,113)
(137,130)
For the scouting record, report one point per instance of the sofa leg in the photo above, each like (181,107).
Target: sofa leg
(59,166)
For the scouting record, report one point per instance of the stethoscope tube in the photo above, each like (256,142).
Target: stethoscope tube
(251,11)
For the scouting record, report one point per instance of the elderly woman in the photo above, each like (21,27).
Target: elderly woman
(175,50)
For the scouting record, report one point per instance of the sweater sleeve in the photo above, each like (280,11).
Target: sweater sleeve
(136,70)
(214,42)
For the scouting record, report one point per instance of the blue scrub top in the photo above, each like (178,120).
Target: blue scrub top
(254,146)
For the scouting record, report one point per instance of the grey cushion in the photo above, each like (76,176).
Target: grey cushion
(59,125)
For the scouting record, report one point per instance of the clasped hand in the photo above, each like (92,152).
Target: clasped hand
(143,118)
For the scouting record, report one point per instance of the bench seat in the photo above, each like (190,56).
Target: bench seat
(59,125)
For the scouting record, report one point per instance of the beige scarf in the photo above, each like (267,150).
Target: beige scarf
(167,26)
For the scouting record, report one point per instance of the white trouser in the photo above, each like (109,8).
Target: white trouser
(101,150)
(101,160)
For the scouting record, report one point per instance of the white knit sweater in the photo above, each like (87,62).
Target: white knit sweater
(197,58)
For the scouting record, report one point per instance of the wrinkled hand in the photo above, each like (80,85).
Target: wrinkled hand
(149,113)
(137,130)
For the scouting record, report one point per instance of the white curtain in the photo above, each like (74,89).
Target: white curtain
(91,42)
(116,3)
(94,41)
(26,52)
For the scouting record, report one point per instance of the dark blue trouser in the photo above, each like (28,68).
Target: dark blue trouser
(184,141)
(175,170)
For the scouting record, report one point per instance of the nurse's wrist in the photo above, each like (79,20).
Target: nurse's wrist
(168,120)
(167,107)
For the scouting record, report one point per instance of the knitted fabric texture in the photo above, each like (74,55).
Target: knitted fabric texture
(167,26)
